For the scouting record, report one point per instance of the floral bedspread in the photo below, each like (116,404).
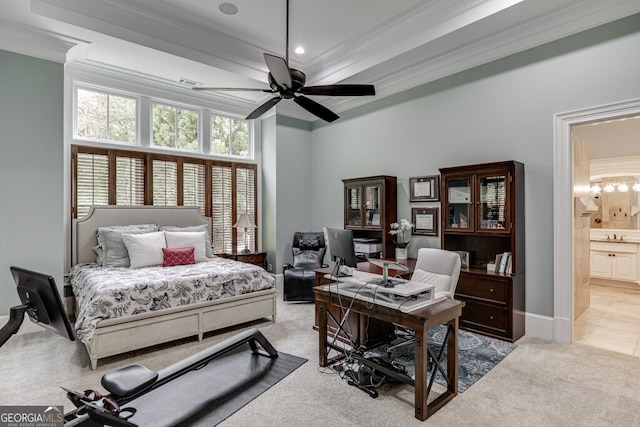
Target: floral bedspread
(110,292)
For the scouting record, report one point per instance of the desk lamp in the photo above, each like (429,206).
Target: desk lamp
(244,222)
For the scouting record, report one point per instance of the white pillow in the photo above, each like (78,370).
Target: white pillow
(145,249)
(442,282)
(114,252)
(202,227)
(188,239)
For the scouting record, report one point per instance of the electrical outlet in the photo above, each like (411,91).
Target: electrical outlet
(270,267)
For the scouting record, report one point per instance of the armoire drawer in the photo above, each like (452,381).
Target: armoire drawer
(484,288)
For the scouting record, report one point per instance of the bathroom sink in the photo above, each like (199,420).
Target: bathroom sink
(613,241)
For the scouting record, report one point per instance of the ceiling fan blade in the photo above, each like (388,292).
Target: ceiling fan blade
(279,70)
(264,108)
(339,90)
(316,109)
(232,89)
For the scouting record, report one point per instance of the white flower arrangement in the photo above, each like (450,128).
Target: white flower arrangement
(400,230)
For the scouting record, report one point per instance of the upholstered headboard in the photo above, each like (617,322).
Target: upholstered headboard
(84,229)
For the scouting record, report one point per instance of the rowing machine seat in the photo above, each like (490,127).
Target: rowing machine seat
(128,380)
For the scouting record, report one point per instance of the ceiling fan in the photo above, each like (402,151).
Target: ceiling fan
(288,83)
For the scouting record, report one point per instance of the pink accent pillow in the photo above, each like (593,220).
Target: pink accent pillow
(178,256)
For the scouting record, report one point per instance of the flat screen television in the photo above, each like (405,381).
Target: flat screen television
(341,247)
(40,301)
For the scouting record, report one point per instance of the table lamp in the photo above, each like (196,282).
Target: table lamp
(244,222)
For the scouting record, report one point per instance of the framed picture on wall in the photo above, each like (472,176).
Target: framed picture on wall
(424,188)
(425,220)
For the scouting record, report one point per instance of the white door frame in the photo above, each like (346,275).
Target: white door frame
(563,207)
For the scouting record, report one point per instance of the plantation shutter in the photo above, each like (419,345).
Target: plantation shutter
(129,181)
(222,190)
(92,181)
(221,208)
(165,183)
(194,185)
(245,203)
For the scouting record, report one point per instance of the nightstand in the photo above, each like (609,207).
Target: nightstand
(256,258)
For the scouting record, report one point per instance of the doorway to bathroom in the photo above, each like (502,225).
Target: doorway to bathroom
(607,210)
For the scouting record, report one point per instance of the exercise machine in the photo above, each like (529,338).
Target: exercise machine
(128,386)
(125,404)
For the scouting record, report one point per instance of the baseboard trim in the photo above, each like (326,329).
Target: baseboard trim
(538,326)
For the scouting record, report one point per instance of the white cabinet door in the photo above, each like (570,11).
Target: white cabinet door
(624,266)
(601,264)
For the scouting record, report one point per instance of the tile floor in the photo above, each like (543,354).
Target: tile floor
(612,321)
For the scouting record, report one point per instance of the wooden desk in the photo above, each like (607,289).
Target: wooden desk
(364,331)
(368,268)
(421,320)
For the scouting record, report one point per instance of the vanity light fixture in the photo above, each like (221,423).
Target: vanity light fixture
(636,186)
(595,189)
(609,188)
(623,188)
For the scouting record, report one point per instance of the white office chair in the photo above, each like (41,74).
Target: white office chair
(438,267)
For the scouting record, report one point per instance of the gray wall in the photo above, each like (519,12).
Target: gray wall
(294,202)
(269,187)
(503,110)
(31,170)
(286,185)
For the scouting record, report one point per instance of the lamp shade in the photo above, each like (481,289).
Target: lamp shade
(244,221)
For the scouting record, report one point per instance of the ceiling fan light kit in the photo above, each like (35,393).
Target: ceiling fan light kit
(289,83)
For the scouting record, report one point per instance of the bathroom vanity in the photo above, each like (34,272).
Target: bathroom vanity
(614,258)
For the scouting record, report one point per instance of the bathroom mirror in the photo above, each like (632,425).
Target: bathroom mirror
(617,199)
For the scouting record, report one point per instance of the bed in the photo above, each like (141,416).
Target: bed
(120,308)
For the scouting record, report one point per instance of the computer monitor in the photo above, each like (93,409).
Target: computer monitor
(40,301)
(341,246)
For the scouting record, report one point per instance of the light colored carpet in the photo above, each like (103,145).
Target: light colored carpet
(538,384)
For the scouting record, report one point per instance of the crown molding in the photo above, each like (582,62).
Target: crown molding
(102,75)
(407,50)
(32,41)
(148,28)
(442,58)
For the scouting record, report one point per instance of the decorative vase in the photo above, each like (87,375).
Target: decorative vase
(401,253)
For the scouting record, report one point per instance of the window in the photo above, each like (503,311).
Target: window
(172,150)
(175,127)
(102,115)
(105,117)
(121,177)
(229,136)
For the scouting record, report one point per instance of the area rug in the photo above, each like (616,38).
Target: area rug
(477,355)
(208,396)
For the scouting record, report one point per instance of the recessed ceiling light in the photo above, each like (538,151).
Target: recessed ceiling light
(228,8)
(299,50)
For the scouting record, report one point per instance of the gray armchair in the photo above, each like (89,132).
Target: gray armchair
(308,249)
